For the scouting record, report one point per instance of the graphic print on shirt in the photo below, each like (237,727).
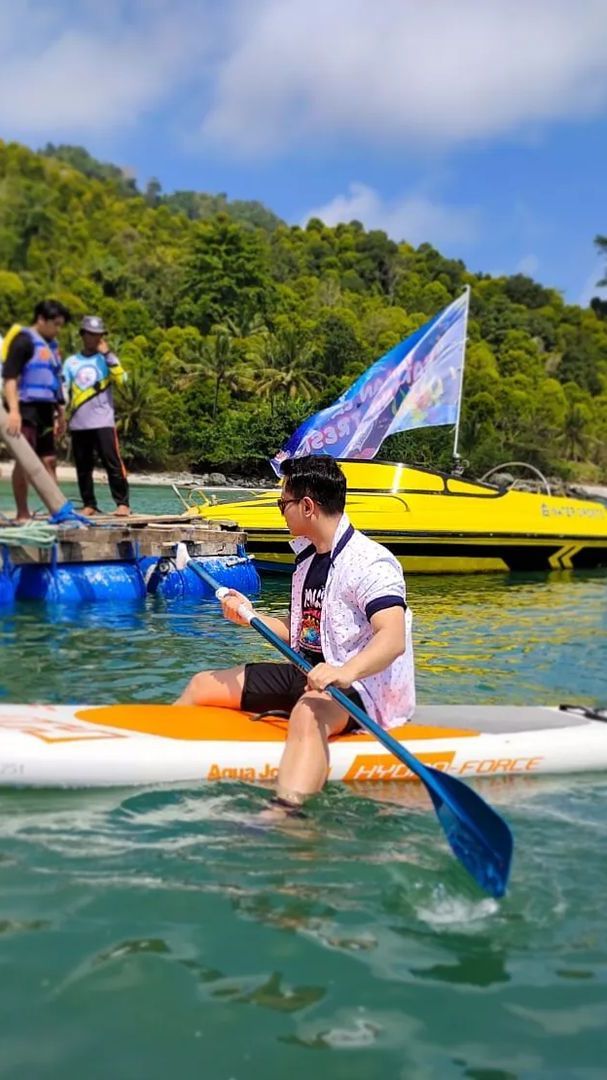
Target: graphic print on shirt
(311,607)
(86,376)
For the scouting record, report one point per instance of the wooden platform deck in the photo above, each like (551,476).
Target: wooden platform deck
(112,539)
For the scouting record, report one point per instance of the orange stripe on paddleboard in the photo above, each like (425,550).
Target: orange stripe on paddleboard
(192,723)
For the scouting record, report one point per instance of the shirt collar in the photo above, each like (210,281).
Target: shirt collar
(343,533)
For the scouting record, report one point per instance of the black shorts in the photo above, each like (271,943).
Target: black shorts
(270,687)
(37,426)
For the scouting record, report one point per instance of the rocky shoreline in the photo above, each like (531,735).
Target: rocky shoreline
(67,474)
(573,489)
(217,479)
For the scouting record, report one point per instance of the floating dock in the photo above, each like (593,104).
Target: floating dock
(122,559)
(72,559)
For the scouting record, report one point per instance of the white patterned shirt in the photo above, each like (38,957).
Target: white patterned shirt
(363,575)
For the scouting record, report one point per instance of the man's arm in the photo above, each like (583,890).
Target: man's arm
(21,349)
(389,641)
(60,423)
(117,372)
(13,423)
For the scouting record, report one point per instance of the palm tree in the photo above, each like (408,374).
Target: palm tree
(574,435)
(223,362)
(227,353)
(249,325)
(284,362)
(141,407)
(186,372)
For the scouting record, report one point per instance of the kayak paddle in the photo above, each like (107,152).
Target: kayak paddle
(478,836)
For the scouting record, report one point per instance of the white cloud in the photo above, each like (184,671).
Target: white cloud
(259,77)
(388,70)
(80,68)
(414,218)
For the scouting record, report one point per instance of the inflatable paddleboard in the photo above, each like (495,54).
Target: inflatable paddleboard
(88,746)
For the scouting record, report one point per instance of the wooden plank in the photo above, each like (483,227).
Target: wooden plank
(123,543)
(137,520)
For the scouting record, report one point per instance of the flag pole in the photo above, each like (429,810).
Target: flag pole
(457,467)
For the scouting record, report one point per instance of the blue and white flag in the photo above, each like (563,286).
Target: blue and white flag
(415,385)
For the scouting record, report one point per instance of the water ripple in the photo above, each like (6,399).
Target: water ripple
(163,930)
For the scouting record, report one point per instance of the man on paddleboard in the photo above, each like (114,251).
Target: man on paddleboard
(348,617)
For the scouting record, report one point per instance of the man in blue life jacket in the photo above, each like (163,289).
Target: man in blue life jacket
(34,393)
(88,377)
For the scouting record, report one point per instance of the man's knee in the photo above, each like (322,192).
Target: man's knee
(200,685)
(222,688)
(307,713)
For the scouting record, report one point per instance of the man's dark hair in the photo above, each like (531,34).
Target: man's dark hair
(319,477)
(51,309)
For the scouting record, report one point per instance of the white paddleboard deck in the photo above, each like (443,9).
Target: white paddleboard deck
(124,745)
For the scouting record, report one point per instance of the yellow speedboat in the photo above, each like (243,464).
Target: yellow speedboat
(438,523)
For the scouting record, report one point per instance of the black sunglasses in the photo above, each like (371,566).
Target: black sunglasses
(283,503)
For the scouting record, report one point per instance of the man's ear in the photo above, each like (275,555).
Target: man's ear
(308,505)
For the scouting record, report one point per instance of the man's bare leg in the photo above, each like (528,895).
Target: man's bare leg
(20,489)
(222,688)
(21,486)
(304,765)
(50,464)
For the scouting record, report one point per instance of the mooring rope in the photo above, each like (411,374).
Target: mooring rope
(30,534)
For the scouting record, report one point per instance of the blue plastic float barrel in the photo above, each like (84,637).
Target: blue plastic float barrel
(7,589)
(81,583)
(163,578)
(7,579)
(122,582)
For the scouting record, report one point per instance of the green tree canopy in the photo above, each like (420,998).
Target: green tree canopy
(234,325)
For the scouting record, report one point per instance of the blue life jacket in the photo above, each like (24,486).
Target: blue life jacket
(40,379)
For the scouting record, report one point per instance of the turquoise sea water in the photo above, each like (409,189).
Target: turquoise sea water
(146,933)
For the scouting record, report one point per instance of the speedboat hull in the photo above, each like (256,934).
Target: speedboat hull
(436,523)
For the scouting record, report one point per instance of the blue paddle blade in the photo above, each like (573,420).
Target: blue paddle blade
(478,836)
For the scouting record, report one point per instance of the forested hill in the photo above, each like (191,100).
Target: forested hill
(234,325)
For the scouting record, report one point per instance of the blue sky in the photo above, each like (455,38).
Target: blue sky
(479,127)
